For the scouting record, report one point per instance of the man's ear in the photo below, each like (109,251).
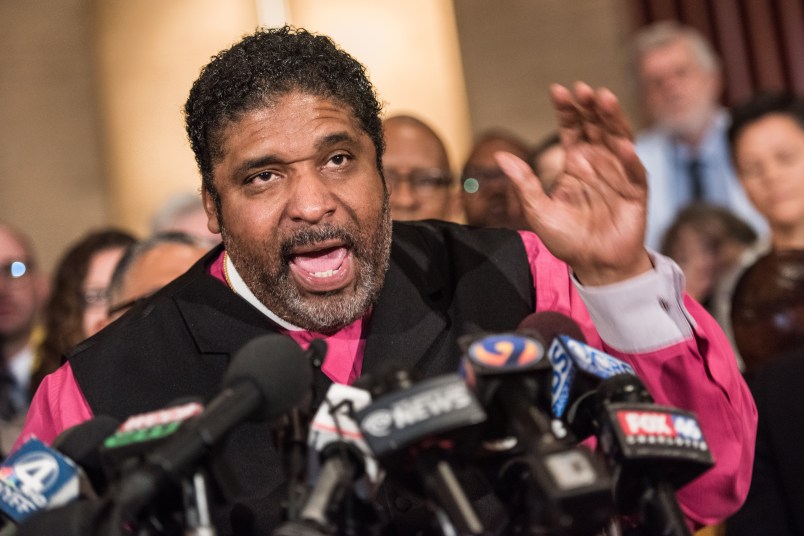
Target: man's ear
(212,211)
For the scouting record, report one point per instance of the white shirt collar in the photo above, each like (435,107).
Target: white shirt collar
(20,366)
(240,287)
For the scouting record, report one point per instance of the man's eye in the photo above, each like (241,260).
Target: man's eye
(339,159)
(263,176)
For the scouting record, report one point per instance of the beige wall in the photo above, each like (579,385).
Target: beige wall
(514,49)
(149,52)
(51,181)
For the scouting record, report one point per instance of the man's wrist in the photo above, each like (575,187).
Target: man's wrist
(600,275)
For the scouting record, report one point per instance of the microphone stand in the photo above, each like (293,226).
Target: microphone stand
(196,506)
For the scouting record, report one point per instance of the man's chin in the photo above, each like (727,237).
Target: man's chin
(324,312)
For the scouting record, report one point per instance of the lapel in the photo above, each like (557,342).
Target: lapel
(218,320)
(407,323)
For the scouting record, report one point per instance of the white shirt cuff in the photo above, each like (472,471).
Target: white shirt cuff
(643,313)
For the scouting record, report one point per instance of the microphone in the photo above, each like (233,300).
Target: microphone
(266,378)
(656,449)
(142,433)
(77,446)
(543,479)
(652,449)
(339,458)
(412,431)
(36,478)
(79,518)
(577,369)
(82,443)
(104,449)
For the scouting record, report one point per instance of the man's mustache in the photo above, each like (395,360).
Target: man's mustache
(314,235)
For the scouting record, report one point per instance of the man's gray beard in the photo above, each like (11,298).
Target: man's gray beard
(327,312)
(690,125)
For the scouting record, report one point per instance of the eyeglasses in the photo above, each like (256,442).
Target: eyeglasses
(421,181)
(474,178)
(121,308)
(17,272)
(94,297)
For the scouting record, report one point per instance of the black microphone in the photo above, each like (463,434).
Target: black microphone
(82,443)
(266,378)
(37,479)
(652,449)
(655,449)
(578,369)
(142,433)
(414,432)
(339,458)
(545,481)
(79,518)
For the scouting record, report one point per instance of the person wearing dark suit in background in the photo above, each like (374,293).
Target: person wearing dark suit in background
(23,291)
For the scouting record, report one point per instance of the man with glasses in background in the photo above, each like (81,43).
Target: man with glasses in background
(22,292)
(417,168)
(487,194)
(149,265)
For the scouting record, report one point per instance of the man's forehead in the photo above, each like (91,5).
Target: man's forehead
(406,140)
(289,118)
(483,153)
(675,49)
(12,244)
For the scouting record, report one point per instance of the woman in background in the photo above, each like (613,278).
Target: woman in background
(79,296)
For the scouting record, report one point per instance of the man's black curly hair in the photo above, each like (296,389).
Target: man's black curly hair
(264,66)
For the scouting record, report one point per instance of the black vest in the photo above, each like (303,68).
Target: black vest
(444,281)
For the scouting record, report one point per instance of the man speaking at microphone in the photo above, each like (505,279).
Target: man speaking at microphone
(287,133)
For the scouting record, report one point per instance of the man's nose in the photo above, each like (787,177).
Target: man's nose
(402,195)
(311,199)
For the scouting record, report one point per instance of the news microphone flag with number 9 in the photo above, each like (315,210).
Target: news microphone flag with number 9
(35,478)
(506,353)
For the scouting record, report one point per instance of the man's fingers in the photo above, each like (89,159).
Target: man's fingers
(528,186)
(611,114)
(586,114)
(570,122)
(624,150)
(593,126)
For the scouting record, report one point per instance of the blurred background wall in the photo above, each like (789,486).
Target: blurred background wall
(91,91)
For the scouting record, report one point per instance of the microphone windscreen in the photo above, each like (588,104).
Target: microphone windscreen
(82,439)
(549,325)
(277,367)
(81,443)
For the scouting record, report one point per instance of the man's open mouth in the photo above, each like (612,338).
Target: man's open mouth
(321,267)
